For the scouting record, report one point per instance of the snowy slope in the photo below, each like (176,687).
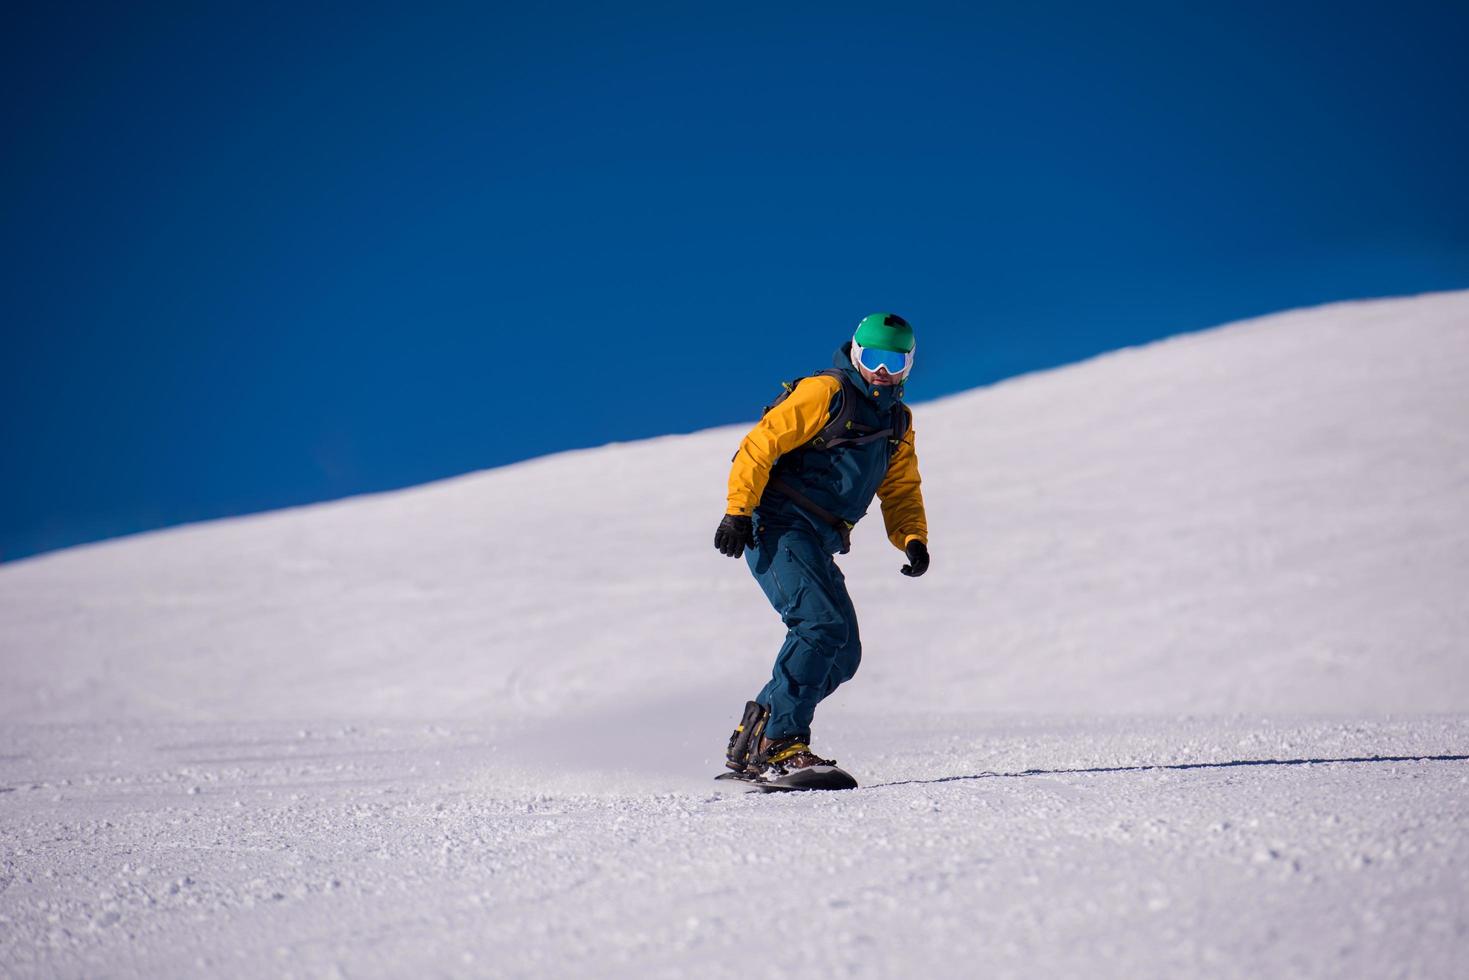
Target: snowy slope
(466,727)
(1273,516)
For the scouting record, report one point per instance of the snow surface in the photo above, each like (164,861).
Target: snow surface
(1184,693)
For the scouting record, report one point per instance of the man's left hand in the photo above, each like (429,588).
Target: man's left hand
(917,553)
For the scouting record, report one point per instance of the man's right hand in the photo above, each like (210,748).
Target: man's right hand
(734,534)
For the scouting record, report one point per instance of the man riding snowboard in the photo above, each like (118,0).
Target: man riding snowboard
(802,478)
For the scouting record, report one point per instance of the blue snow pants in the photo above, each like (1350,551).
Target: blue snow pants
(794,566)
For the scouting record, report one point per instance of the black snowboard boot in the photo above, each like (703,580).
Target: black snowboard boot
(746,738)
(783,756)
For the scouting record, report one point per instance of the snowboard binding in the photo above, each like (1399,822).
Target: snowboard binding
(744,741)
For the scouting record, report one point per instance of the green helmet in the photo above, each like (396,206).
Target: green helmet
(885,331)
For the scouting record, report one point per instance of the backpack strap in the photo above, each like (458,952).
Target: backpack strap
(841,417)
(902,422)
(842,527)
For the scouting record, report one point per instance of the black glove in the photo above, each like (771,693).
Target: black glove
(734,535)
(917,553)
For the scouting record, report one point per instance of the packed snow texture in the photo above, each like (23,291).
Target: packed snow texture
(1185,692)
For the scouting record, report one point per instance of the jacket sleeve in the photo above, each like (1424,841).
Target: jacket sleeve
(902,496)
(792,423)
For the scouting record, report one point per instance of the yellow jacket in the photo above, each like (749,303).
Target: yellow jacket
(798,420)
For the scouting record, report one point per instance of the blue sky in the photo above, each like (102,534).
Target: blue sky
(255,256)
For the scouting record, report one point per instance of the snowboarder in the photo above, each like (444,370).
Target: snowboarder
(800,481)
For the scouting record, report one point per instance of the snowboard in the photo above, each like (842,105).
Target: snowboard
(812,778)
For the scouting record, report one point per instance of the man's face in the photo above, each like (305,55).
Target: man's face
(880,377)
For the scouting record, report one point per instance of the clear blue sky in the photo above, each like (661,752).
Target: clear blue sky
(255,256)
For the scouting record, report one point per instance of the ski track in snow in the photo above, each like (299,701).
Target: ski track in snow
(1185,694)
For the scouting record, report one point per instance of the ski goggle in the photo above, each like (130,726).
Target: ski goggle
(897,363)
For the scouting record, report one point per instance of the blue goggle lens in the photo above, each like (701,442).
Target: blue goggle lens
(874,358)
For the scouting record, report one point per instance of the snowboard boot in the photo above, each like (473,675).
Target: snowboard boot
(744,740)
(784,756)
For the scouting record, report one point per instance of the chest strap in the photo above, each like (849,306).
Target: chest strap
(868,435)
